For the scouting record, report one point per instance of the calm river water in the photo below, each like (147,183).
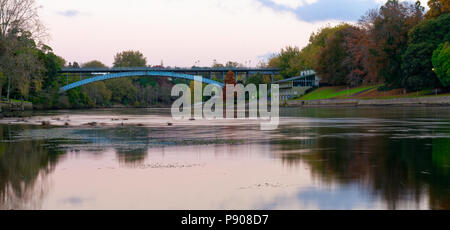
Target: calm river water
(319,158)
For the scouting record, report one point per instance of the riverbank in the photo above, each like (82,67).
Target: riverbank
(15,108)
(420,101)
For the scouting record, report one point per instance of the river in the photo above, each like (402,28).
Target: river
(318,158)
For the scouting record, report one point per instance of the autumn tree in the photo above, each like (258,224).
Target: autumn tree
(330,65)
(437,8)
(230,79)
(359,59)
(387,30)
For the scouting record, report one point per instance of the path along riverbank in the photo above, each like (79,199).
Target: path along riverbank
(421,101)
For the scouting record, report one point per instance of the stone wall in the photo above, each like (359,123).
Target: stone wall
(15,106)
(423,101)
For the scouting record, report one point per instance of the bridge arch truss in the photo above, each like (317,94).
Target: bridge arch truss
(137,74)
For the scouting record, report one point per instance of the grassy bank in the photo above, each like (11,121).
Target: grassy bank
(364,92)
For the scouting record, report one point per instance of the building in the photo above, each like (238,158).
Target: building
(298,86)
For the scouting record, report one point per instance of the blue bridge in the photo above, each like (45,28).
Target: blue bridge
(102,74)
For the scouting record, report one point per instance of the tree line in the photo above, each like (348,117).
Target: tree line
(398,44)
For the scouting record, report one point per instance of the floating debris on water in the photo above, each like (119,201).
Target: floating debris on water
(168,166)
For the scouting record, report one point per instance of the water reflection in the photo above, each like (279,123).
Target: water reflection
(349,158)
(24,168)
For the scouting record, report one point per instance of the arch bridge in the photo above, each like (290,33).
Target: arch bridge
(102,74)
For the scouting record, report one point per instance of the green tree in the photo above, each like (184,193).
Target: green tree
(2,83)
(232,64)
(98,93)
(287,61)
(417,60)
(123,90)
(78,99)
(130,59)
(94,64)
(441,63)
(292,60)
(19,61)
(257,80)
(53,65)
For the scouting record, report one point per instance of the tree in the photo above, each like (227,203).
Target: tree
(330,65)
(317,41)
(417,64)
(232,64)
(130,59)
(53,65)
(441,63)
(292,60)
(2,82)
(19,61)
(19,55)
(98,93)
(359,59)
(94,64)
(123,90)
(217,65)
(257,80)
(437,8)
(388,37)
(230,79)
(19,14)
(286,61)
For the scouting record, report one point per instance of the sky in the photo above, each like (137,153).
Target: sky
(184,33)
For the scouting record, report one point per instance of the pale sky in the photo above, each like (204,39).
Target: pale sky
(181,32)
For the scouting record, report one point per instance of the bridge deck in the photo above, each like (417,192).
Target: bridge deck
(173,70)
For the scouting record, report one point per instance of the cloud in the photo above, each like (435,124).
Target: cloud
(322,10)
(345,10)
(293,4)
(70,13)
